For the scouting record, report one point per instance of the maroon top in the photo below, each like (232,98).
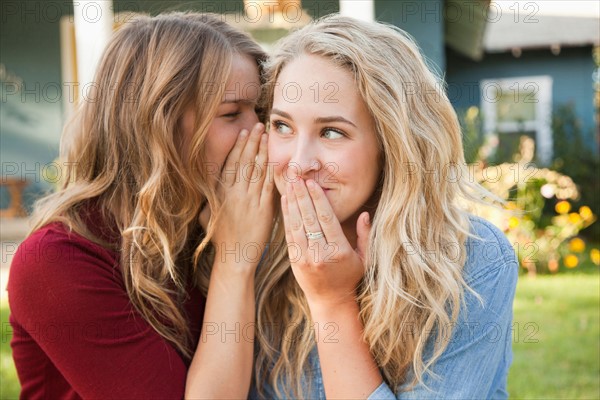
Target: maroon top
(75,332)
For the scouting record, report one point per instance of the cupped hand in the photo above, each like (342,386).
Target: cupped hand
(323,261)
(244,222)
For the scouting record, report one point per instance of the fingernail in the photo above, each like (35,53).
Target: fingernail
(243,133)
(367,219)
(310,184)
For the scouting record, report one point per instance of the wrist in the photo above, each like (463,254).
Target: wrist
(332,309)
(242,256)
(233,274)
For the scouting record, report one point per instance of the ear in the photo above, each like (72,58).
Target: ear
(363,229)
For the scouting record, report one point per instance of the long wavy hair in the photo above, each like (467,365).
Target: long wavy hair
(413,283)
(123,153)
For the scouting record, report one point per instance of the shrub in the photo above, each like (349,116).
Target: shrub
(544,209)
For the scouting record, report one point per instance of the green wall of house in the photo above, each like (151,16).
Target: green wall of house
(571,72)
(423,20)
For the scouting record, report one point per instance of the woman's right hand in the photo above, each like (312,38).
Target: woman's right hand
(244,222)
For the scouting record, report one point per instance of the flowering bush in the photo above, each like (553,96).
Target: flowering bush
(538,215)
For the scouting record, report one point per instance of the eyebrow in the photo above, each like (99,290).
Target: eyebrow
(320,120)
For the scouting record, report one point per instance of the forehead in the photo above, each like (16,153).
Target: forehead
(312,86)
(315,67)
(244,81)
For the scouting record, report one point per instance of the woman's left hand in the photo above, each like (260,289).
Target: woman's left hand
(324,263)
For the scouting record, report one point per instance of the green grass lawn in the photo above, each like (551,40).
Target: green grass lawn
(558,354)
(556,340)
(9,383)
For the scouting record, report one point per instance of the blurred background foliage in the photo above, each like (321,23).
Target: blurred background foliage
(549,213)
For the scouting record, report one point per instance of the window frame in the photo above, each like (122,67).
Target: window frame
(542,125)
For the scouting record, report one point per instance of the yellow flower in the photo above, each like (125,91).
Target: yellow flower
(595,256)
(472,113)
(513,222)
(563,207)
(576,245)
(574,218)
(585,212)
(571,261)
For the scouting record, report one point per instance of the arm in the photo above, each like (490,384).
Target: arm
(328,280)
(348,368)
(222,364)
(225,350)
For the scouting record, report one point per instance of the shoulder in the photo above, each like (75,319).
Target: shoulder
(488,251)
(53,261)
(55,245)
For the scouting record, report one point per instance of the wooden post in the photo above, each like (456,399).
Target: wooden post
(15,190)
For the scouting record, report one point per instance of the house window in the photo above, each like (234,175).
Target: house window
(513,107)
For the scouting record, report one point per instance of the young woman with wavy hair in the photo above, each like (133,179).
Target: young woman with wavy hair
(379,282)
(107,293)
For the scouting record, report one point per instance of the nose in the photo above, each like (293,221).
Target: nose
(305,161)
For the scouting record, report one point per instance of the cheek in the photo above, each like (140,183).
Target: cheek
(219,142)
(368,170)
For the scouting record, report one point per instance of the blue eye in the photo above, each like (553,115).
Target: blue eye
(329,133)
(282,128)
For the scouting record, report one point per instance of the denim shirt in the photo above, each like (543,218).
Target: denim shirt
(475,363)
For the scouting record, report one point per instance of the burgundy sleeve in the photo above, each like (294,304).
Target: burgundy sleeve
(68,293)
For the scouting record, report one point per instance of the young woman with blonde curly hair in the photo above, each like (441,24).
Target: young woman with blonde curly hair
(379,283)
(107,292)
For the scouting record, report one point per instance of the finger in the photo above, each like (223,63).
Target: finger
(232,163)
(248,157)
(307,212)
(363,230)
(295,219)
(288,231)
(268,189)
(259,173)
(327,219)
(286,224)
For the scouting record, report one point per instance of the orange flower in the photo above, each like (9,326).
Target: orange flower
(563,207)
(576,245)
(595,256)
(553,265)
(571,261)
